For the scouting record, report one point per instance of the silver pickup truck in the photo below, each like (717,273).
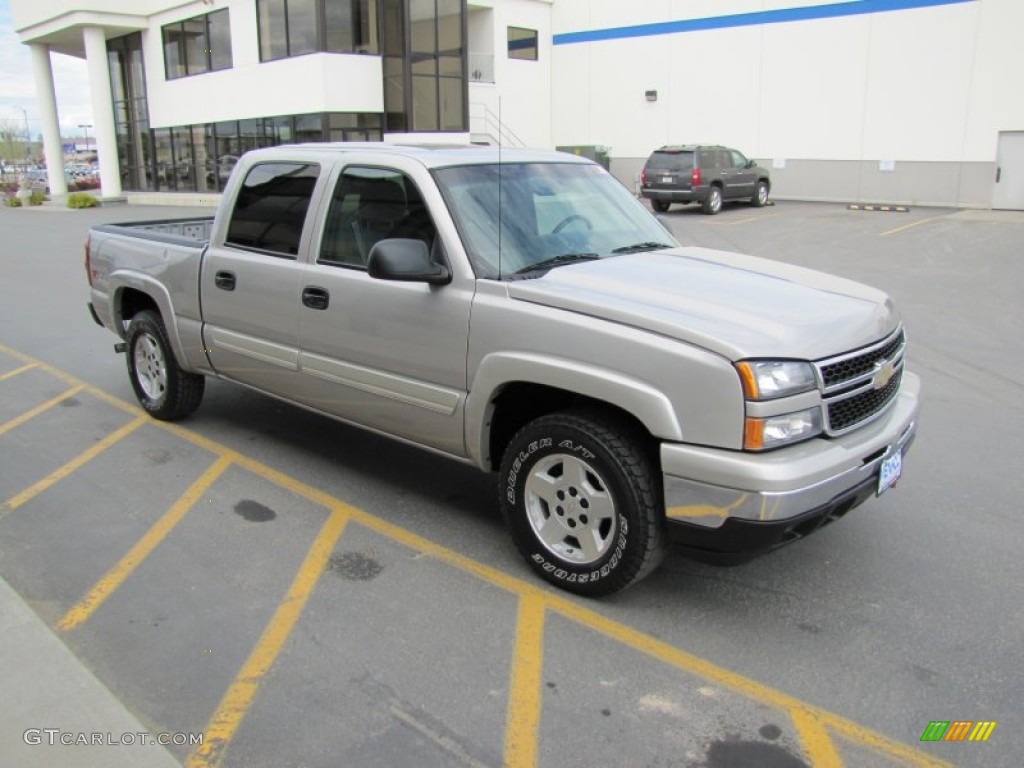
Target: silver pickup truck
(523,312)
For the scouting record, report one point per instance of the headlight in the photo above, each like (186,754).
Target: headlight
(760,434)
(768,379)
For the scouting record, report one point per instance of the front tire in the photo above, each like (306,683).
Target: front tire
(760,198)
(163,389)
(582,499)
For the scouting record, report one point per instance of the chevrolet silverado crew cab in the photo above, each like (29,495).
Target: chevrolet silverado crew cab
(521,311)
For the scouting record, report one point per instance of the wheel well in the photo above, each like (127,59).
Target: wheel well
(134,301)
(519,403)
(766,181)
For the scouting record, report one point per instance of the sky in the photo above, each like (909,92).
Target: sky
(17,86)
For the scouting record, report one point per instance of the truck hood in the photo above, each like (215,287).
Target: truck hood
(738,306)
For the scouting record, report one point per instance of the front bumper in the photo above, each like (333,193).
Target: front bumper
(729,506)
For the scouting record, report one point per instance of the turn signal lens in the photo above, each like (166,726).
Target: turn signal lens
(776,431)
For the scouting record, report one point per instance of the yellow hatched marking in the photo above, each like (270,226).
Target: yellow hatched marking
(233,707)
(42,407)
(94,598)
(16,371)
(626,635)
(59,474)
(818,747)
(524,696)
(911,224)
(982,731)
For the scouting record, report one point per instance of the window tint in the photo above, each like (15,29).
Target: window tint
(738,160)
(370,205)
(522,43)
(271,207)
(671,161)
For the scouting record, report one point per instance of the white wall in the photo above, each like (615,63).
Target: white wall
(929,84)
(317,82)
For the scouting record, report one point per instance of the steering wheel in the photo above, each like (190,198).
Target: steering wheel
(569,220)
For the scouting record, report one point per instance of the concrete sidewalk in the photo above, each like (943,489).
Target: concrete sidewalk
(46,687)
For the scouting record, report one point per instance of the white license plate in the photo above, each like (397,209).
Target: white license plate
(889,472)
(666,179)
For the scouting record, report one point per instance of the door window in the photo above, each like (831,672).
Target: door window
(271,208)
(370,205)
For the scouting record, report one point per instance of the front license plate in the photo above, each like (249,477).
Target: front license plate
(889,472)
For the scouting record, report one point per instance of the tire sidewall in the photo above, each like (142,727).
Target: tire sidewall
(622,561)
(144,323)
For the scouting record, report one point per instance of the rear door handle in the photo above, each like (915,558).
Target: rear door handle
(315,298)
(225,281)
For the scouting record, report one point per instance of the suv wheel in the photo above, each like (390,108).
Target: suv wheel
(660,205)
(713,202)
(760,197)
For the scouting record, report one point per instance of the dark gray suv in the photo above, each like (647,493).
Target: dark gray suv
(709,175)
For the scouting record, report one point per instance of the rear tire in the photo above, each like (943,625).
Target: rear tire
(163,389)
(760,198)
(660,206)
(582,499)
(713,202)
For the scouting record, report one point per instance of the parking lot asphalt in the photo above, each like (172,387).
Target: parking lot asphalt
(300,593)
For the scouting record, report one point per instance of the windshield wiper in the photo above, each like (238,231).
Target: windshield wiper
(556,261)
(648,246)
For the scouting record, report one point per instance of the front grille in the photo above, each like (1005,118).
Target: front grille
(850,391)
(852,367)
(845,413)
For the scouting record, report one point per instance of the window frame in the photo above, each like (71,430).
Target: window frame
(181,46)
(533,34)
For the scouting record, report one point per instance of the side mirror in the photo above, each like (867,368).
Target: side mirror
(406,260)
(751,163)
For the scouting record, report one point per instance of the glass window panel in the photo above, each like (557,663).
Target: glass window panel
(392,28)
(423,26)
(271,207)
(449,25)
(364,26)
(273,42)
(184,163)
(450,65)
(452,100)
(220,40)
(174,65)
(196,45)
(424,64)
(424,103)
(164,159)
(309,128)
(301,27)
(522,43)
(282,129)
(338,20)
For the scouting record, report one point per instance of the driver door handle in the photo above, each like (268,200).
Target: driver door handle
(315,297)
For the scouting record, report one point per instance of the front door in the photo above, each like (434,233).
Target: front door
(1008,192)
(386,354)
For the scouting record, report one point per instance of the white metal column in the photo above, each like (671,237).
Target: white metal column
(53,149)
(102,112)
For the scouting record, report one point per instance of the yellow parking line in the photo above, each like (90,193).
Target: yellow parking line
(16,371)
(818,747)
(84,608)
(233,707)
(524,694)
(911,224)
(19,420)
(229,714)
(59,474)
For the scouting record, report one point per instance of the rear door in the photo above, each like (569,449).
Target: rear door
(249,285)
(742,179)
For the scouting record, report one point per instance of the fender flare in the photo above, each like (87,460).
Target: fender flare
(121,280)
(649,406)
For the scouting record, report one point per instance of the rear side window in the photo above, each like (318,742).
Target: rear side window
(671,161)
(271,207)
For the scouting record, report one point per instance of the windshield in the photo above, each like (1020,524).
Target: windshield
(551,214)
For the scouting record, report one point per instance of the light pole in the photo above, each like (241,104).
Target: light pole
(85,127)
(28,135)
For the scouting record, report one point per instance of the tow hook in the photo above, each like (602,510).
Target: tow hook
(120,347)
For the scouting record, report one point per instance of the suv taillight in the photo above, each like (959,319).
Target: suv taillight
(695,177)
(643,177)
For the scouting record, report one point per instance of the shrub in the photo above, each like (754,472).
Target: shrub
(82,200)
(13,201)
(37,197)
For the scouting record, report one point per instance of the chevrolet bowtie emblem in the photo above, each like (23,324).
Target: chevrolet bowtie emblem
(884,369)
